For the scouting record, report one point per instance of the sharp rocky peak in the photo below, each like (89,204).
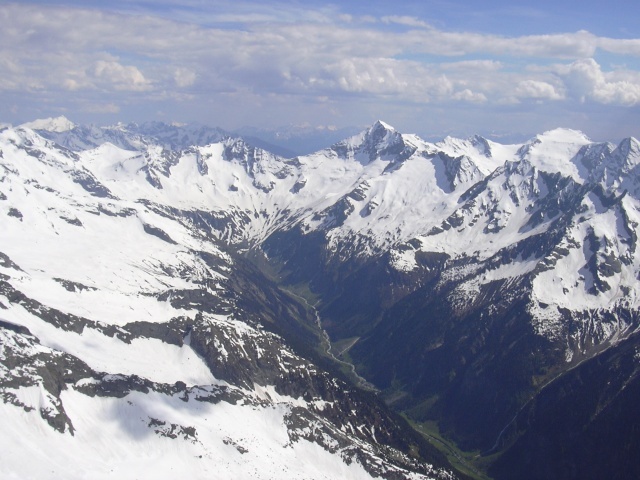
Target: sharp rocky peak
(379,124)
(630,148)
(481,144)
(380,140)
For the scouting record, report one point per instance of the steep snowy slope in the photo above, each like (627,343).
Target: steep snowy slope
(132,344)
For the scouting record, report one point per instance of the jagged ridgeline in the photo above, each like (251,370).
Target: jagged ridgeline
(175,293)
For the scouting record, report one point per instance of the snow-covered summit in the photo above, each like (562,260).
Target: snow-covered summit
(58,124)
(485,154)
(553,151)
(563,135)
(134,136)
(379,141)
(382,124)
(630,148)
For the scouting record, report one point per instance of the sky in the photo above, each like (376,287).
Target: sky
(435,68)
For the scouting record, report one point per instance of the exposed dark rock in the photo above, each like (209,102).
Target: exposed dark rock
(299,185)
(158,232)
(14,212)
(73,286)
(6,262)
(72,221)
(584,425)
(87,181)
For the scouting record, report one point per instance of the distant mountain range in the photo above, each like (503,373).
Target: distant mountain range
(286,141)
(295,140)
(217,305)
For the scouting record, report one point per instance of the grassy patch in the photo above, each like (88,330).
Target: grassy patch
(341,347)
(468,463)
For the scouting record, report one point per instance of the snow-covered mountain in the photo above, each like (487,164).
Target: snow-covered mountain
(465,279)
(130,136)
(134,343)
(59,124)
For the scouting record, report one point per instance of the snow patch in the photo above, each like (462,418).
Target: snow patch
(148,358)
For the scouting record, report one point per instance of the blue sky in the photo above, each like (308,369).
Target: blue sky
(428,67)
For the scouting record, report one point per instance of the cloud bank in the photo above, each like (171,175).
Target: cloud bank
(95,60)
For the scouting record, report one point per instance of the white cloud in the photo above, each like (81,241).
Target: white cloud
(184,77)
(538,90)
(364,75)
(618,93)
(10,72)
(121,77)
(71,84)
(467,95)
(582,77)
(585,80)
(387,77)
(565,45)
(102,108)
(620,46)
(473,65)
(405,20)
(325,58)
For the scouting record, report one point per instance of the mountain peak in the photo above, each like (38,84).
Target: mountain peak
(380,124)
(377,141)
(57,124)
(553,150)
(630,146)
(381,132)
(564,135)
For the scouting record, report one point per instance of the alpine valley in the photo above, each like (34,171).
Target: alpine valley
(175,301)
